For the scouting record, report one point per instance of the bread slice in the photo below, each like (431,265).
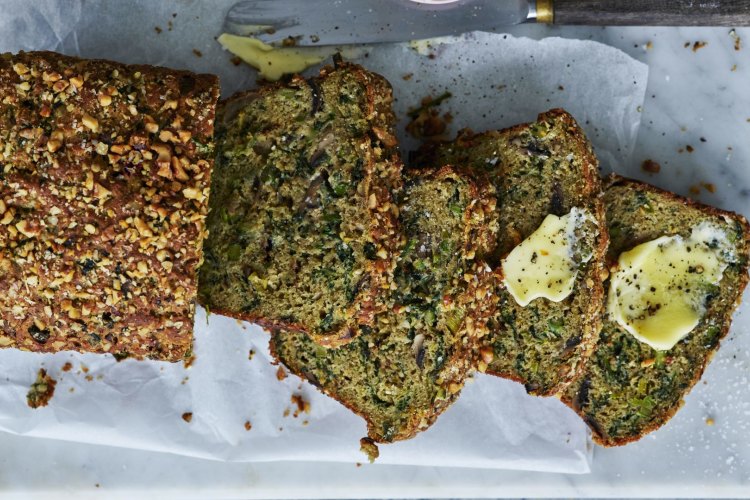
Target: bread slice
(627,388)
(541,168)
(406,369)
(104,182)
(303,224)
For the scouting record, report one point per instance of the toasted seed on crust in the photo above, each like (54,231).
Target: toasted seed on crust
(85,213)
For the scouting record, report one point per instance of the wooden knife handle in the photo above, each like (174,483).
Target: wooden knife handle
(652,12)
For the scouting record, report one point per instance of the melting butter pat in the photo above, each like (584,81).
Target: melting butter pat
(545,264)
(271,62)
(660,287)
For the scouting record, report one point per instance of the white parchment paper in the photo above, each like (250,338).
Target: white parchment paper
(496,81)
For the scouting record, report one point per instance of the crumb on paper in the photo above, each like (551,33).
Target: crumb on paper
(407,76)
(358,464)
(649,45)
(158,30)
(286,413)
(687,44)
(248,425)
(734,67)
(170,25)
(695,189)
(426,122)
(699,45)
(251,354)
(197,53)
(189,359)
(709,186)
(369,448)
(651,166)
(560,88)
(67,366)
(184,380)
(72,390)
(689,148)
(703,139)
(305,422)
(280,373)
(736,38)
(710,421)
(41,391)
(301,404)
(236,60)
(187,416)
(84,368)
(89,378)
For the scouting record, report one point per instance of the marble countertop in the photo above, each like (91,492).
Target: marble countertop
(696,126)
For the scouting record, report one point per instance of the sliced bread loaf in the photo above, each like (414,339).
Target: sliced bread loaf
(541,168)
(303,226)
(402,372)
(628,388)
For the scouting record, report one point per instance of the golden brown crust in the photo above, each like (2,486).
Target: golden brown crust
(104,190)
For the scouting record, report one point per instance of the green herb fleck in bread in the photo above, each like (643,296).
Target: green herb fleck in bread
(401,373)
(628,388)
(546,167)
(303,225)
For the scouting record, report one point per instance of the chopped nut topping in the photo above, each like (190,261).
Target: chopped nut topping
(90,123)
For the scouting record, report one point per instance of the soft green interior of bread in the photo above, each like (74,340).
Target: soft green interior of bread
(628,388)
(538,169)
(402,372)
(290,237)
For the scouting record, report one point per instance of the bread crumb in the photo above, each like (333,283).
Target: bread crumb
(737,39)
(287,411)
(189,359)
(689,148)
(710,421)
(369,448)
(251,354)
(67,366)
(708,186)
(158,30)
(687,44)
(89,378)
(302,405)
(84,368)
(407,76)
(734,67)
(699,45)
(187,416)
(248,425)
(197,53)
(41,391)
(358,464)
(280,374)
(651,166)
(649,45)
(184,380)
(236,60)
(426,121)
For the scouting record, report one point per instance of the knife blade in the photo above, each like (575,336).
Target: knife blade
(345,22)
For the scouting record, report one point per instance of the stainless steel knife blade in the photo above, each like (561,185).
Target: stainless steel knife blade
(343,22)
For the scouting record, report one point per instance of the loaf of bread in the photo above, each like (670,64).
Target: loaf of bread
(628,388)
(541,168)
(104,184)
(402,372)
(303,224)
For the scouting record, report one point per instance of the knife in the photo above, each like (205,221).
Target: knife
(343,22)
